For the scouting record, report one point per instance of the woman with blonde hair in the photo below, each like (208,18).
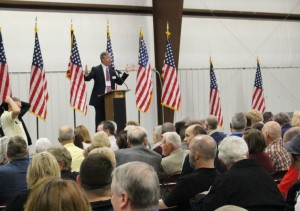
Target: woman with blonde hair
(42,165)
(55,194)
(296,119)
(100,139)
(84,132)
(106,151)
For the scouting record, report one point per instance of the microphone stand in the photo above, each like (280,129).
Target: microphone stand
(161,85)
(118,74)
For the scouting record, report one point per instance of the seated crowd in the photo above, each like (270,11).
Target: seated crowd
(190,165)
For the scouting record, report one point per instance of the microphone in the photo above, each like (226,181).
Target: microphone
(118,74)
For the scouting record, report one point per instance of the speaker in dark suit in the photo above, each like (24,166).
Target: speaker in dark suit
(105,78)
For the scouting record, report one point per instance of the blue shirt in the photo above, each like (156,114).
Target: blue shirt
(13,178)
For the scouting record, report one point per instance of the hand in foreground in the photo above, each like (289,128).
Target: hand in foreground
(129,67)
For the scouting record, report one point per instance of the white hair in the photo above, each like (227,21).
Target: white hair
(42,144)
(233,149)
(172,138)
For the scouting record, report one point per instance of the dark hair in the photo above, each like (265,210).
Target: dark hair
(267,116)
(255,140)
(95,172)
(122,140)
(199,130)
(17,148)
(78,139)
(258,126)
(282,118)
(107,125)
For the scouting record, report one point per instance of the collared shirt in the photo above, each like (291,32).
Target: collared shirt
(76,154)
(279,156)
(104,70)
(113,143)
(12,127)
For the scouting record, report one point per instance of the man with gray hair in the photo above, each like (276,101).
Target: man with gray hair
(284,120)
(202,153)
(13,174)
(238,124)
(166,127)
(138,151)
(279,156)
(66,138)
(245,184)
(174,155)
(135,186)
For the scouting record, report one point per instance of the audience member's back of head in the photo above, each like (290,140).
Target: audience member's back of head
(62,156)
(42,165)
(238,122)
(268,116)
(157,134)
(137,136)
(17,148)
(255,141)
(167,127)
(282,118)
(205,145)
(100,139)
(83,131)
(55,194)
(193,122)
(122,140)
(132,122)
(212,122)
(198,129)
(232,149)
(129,180)
(65,133)
(258,126)
(95,173)
(173,138)
(290,134)
(273,129)
(296,119)
(255,116)
(42,144)
(108,152)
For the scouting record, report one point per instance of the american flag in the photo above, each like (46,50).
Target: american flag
(109,48)
(78,92)
(214,97)
(171,96)
(258,99)
(143,89)
(4,75)
(38,93)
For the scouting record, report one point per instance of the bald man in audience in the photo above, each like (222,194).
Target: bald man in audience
(66,138)
(275,149)
(202,153)
(174,155)
(212,126)
(190,133)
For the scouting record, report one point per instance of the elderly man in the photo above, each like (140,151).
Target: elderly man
(279,156)
(203,150)
(284,120)
(212,126)
(245,184)
(166,127)
(66,138)
(13,174)
(174,155)
(95,179)
(129,189)
(238,124)
(109,128)
(138,151)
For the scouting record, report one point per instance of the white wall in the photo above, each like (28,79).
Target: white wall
(232,44)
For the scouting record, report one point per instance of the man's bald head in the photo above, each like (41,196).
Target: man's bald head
(271,131)
(66,133)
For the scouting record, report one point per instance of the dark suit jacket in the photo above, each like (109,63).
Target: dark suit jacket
(99,82)
(142,154)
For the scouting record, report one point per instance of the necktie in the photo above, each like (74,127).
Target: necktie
(108,88)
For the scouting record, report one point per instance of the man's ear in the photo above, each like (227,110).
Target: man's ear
(78,180)
(124,201)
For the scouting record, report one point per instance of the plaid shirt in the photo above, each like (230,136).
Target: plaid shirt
(280,157)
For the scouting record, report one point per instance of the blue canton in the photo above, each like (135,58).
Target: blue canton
(258,78)
(109,50)
(143,57)
(169,59)
(37,54)
(2,53)
(75,58)
(213,81)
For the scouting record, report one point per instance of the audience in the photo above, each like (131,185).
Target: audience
(55,194)
(268,116)
(83,131)
(138,151)
(256,144)
(255,116)
(166,127)
(122,140)
(109,129)
(3,148)
(245,184)
(132,122)
(280,157)
(66,138)
(284,121)
(42,144)
(238,124)
(42,165)
(258,126)
(107,152)
(157,136)
(202,153)
(13,174)
(296,119)
(78,140)
(131,190)
(212,127)
(64,160)
(100,139)
(95,179)
(174,155)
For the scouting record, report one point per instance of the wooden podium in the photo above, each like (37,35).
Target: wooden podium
(115,107)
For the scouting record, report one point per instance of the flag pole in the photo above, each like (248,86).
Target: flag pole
(37,119)
(72,31)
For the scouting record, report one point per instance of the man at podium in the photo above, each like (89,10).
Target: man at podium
(105,78)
